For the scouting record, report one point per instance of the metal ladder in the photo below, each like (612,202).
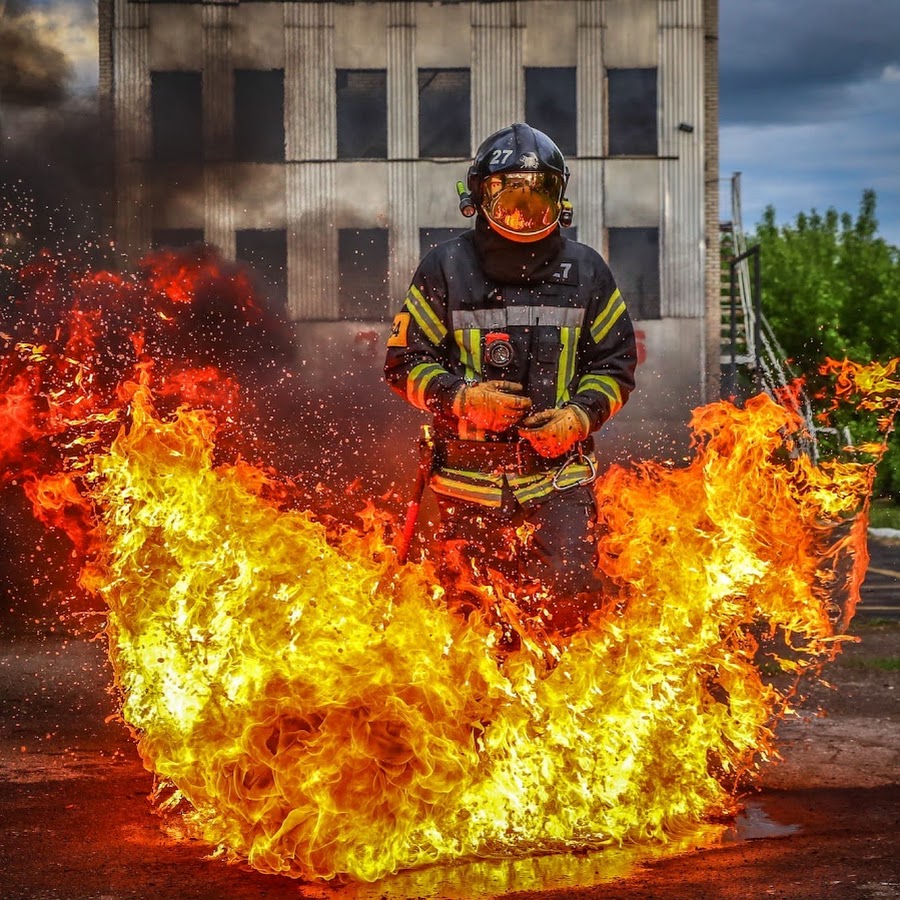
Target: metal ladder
(752,360)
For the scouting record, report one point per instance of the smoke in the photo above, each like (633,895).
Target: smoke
(33,72)
(54,155)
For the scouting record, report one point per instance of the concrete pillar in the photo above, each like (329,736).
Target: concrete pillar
(498,88)
(590,33)
(403,146)
(310,147)
(218,129)
(131,130)
(681,139)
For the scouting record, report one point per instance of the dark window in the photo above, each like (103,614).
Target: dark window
(632,112)
(174,238)
(176,116)
(265,251)
(550,105)
(259,115)
(431,237)
(444,114)
(363,264)
(361,114)
(634,260)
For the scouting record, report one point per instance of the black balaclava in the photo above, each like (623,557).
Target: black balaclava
(511,262)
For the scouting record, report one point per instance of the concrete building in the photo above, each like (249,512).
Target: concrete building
(321,142)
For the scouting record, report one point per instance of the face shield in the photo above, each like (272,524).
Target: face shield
(522,206)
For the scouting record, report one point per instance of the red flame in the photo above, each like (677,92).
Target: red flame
(318,709)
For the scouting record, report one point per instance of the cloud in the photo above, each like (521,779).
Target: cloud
(47,53)
(783,62)
(809,105)
(804,165)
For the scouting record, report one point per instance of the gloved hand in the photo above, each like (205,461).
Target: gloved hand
(491,405)
(554,431)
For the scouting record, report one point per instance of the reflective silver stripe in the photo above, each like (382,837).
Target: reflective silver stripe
(512,316)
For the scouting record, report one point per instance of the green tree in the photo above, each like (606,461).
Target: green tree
(831,287)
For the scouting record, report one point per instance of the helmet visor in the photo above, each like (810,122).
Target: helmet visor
(523,203)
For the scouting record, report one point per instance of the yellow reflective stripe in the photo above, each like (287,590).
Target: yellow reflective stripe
(606,385)
(610,315)
(568,338)
(419,379)
(469,342)
(456,483)
(527,487)
(573,474)
(421,310)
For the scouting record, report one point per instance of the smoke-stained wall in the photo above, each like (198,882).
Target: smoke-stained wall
(324,200)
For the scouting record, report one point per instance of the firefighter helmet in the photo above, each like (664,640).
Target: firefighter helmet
(518,179)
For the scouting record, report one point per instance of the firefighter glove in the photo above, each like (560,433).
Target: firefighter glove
(491,405)
(553,432)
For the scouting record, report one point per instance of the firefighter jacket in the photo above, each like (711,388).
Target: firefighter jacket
(572,342)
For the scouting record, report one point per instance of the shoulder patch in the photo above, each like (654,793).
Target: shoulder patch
(566,272)
(397,336)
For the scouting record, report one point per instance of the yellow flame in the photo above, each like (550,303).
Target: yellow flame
(323,714)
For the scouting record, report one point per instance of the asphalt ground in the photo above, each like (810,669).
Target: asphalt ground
(881,588)
(75,821)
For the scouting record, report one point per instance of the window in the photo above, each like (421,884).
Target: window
(632,112)
(259,115)
(431,237)
(550,105)
(361,114)
(634,260)
(444,114)
(176,116)
(175,238)
(265,251)
(363,265)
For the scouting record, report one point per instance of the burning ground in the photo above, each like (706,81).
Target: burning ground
(310,706)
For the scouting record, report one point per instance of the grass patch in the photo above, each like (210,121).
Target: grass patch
(886,664)
(884,514)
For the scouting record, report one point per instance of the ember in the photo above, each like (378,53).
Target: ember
(311,706)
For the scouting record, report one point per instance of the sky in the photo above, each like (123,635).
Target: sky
(809,96)
(810,106)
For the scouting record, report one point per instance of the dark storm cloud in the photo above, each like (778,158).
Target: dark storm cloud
(32,71)
(794,61)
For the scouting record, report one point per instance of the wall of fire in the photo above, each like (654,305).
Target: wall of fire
(321,141)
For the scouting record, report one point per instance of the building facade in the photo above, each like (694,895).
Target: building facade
(322,141)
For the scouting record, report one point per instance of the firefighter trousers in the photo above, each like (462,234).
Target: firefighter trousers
(552,544)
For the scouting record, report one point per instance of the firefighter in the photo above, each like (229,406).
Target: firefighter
(518,342)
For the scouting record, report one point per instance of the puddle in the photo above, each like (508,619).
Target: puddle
(495,878)
(753,824)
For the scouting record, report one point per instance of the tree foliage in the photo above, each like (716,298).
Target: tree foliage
(831,287)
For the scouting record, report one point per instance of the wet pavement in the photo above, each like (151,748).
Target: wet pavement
(76,822)
(881,589)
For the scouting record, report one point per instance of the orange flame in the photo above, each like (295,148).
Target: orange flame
(316,709)
(323,713)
